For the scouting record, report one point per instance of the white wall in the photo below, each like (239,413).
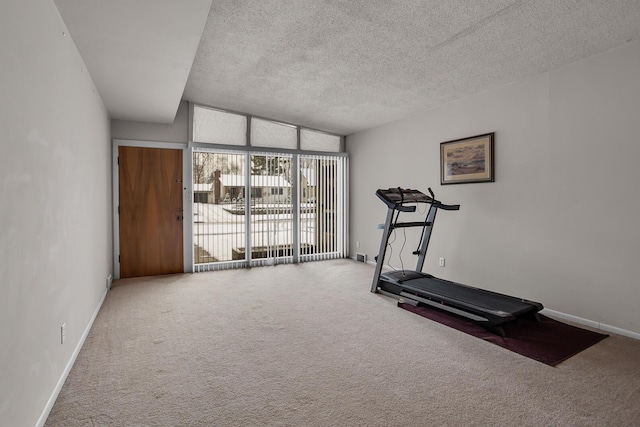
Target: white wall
(560,224)
(178,131)
(55,221)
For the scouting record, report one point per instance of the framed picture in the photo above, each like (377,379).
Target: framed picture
(467,160)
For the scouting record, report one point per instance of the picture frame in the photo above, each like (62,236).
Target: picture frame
(468,160)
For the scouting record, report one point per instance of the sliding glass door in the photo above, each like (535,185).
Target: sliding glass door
(256,208)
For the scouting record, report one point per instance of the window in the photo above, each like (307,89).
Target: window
(218,127)
(322,206)
(311,140)
(213,126)
(255,208)
(284,219)
(265,133)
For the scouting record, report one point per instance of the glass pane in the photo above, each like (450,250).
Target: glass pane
(218,207)
(271,208)
(218,127)
(265,133)
(322,208)
(308,205)
(311,140)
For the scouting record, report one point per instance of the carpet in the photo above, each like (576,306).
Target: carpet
(308,345)
(548,341)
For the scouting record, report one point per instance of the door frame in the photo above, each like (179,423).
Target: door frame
(187,191)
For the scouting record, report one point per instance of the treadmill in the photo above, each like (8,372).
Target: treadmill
(488,309)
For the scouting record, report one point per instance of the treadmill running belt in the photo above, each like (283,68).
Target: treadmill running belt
(466,295)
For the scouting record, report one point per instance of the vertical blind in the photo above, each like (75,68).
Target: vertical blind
(323,206)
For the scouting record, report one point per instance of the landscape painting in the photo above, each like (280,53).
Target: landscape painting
(467,160)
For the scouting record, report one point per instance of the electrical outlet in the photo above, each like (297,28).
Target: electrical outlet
(358,244)
(441,263)
(109,281)
(62,333)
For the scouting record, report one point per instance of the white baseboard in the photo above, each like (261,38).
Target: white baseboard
(67,369)
(591,323)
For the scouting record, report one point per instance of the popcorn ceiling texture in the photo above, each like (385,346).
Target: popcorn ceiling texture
(345,66)
(335,65)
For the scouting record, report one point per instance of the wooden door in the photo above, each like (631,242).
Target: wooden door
(150,211)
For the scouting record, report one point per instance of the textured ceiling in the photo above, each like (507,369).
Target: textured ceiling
(344,66)
(348,65)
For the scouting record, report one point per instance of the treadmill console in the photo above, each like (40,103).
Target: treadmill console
(395,198)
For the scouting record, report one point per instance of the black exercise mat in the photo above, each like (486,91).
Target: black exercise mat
(548,341)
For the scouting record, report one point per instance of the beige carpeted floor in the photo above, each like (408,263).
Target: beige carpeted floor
(309,345)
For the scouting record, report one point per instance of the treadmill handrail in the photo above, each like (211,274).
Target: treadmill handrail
(404,200)
(447,207)
(401,199)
